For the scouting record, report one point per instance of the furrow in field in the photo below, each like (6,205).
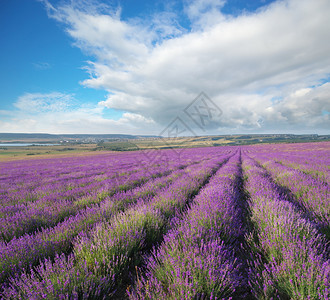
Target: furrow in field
(319,171)
(291,257)
(102,257)
(39,182)
(312,194)
(49,194)
(32,181)
(201,257)
(49,186)
(48,213)
(44,183)
(29,249)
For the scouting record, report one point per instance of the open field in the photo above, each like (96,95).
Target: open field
(229,222)
(72,145)
(37,152)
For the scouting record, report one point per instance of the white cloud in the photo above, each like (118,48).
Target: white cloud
(306,107)
(43,103)
(154,69)
(204,13)
(60,113)
(302,111)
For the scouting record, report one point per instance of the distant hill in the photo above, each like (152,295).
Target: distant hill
(58,137)
(125,142)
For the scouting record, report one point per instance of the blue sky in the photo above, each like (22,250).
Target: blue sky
(133,66)
(37,56)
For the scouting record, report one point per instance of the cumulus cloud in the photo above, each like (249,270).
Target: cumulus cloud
(61,113)
(153,69)
(204,13)
(303,111)
(308,108)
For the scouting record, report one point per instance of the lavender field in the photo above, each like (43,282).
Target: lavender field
(228,222)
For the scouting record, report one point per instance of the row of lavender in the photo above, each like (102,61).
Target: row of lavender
(102,256)
(46,195)
(290,257)
(64,192)
(258,229)
(309,190)
(220,251)
(201,258)
(288,187)
(21,252)
(312,159)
